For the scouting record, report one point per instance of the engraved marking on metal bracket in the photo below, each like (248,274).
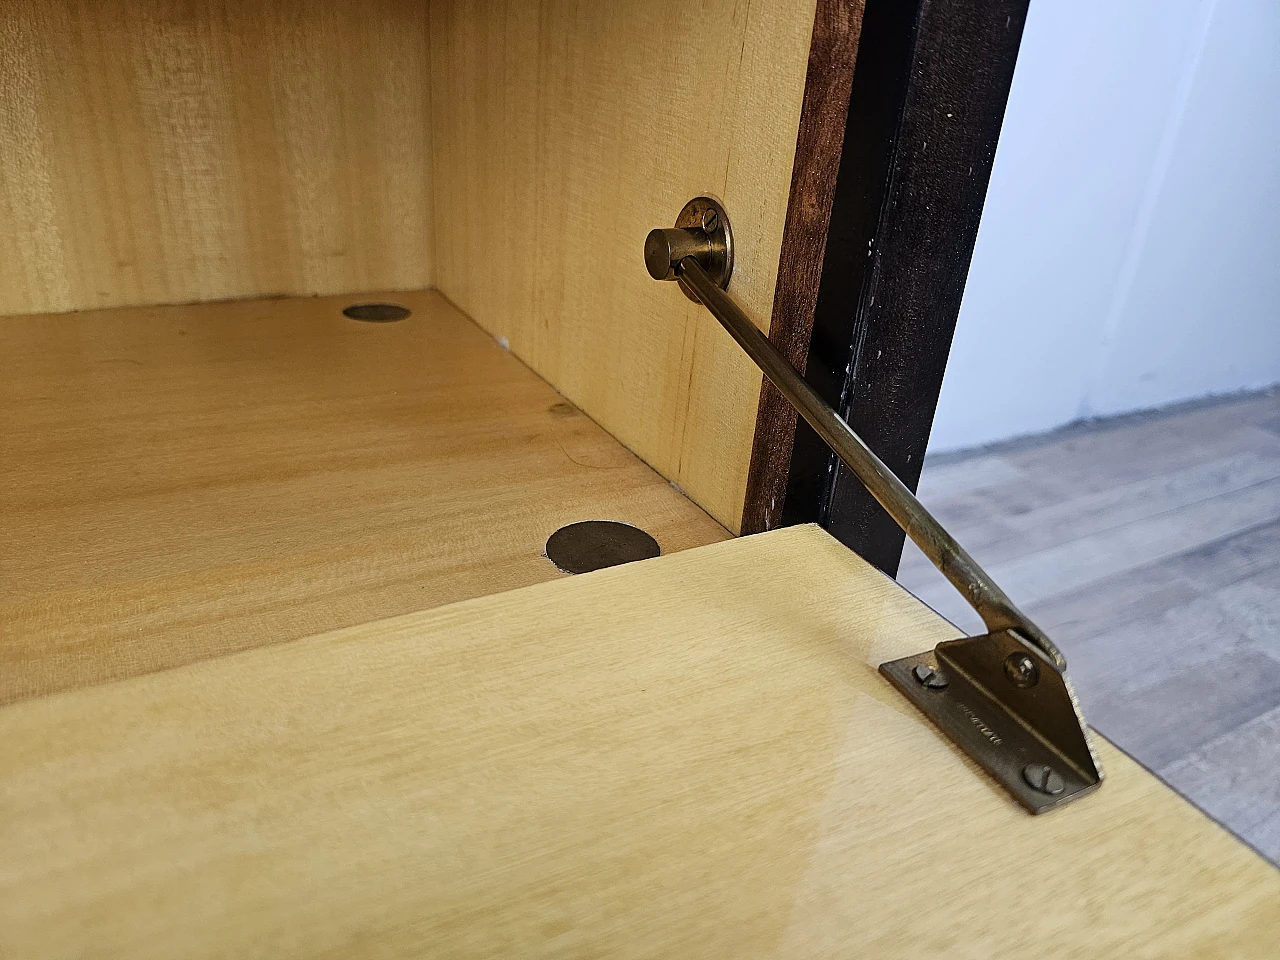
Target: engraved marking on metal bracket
(982,727)
(1003,727)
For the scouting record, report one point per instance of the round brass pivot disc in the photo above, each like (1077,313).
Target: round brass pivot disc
(706,213)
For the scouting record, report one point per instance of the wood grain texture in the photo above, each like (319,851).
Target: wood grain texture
(180,482)
(687,757)
(161,151)
(832,54)
(562,133)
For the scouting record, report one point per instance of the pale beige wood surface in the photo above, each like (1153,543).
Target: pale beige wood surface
(562,133)
(161,151)
(686,757)
(514,154)
(177,482)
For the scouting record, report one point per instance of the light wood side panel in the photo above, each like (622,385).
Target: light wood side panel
(180,482)
(686,757)
(161,151)
(563,132)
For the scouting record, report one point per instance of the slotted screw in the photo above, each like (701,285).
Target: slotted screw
(1042,778)
(930,676)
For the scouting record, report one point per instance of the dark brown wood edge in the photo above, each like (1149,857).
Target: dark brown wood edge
(961,71)
(833,50)
(925,110)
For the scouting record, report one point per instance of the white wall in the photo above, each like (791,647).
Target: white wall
(1129,252)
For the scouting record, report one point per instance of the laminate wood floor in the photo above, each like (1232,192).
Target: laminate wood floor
(1149,548)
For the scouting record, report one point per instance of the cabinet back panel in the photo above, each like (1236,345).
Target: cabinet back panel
(159,151)
(563,132)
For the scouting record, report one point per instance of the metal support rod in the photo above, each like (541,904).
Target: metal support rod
(992,604)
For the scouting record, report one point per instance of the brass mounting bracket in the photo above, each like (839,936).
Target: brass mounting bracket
(1003,697)
(1006,705)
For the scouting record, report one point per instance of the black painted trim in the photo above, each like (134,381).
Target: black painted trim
(929,91)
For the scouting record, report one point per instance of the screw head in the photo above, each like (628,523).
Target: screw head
(930,676)
(1043,779)
(1021,670)
(710,221)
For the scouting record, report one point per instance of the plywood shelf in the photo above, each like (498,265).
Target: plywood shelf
(692,756)
(182,482)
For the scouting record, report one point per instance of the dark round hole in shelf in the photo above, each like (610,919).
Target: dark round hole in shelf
(596,544)
(376,312)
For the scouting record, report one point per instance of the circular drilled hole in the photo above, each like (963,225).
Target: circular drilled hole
(376,312)
(596,544)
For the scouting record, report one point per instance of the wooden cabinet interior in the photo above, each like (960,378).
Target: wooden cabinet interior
(511,154)
(178,483)
(562,134)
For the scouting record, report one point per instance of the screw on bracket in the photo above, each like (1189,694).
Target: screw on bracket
(930,677)
(1021,670)
(1042,778)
